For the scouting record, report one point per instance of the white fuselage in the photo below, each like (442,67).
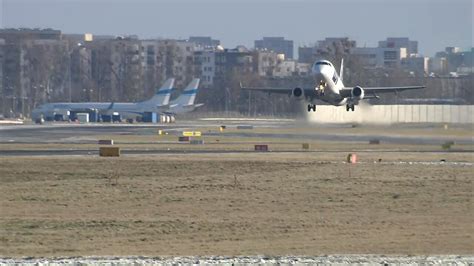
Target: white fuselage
(126,110)
(328,83)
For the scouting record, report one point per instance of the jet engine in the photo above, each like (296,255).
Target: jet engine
(357,93)
(298,93)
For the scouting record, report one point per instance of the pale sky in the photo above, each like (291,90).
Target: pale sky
(435,24)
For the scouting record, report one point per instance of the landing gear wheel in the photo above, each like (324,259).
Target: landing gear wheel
(350,107)
(311,107)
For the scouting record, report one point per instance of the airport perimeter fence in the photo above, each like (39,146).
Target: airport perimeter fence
(452,114)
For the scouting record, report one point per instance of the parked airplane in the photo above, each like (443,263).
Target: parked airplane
(184,103)
(158,103)
(330,88)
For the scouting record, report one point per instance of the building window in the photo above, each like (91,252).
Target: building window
(390,55)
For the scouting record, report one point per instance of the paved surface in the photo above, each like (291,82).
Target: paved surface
(72,133)
(55,132)
(84,134)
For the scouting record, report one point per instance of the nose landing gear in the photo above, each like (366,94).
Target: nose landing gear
(350,107)
(320,88)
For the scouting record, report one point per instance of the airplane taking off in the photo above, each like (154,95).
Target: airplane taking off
(158,103)
(330,88)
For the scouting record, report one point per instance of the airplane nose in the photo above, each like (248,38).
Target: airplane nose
(322,72)
(319,76)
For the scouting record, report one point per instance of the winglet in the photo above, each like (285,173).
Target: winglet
(341,72)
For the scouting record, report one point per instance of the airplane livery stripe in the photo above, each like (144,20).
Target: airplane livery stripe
(192,91)
(166,91)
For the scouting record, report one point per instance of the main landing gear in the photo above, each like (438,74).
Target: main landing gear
(311,107)
(350,107)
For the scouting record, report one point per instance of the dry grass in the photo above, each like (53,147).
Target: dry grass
(226,143)
(234,204)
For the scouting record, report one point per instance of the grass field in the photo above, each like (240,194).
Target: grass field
(237,204)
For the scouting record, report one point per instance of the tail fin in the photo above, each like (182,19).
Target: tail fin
(341,72)
(162,96)
(188,95)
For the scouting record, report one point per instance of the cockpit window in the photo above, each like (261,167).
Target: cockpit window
(323,63)
(335,78)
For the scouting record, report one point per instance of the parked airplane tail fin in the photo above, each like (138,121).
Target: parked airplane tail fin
(188,95)
(162,96)
(164,93)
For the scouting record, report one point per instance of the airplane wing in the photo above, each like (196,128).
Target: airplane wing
(108,109)
(192,105)
(346,92)
(279,90)
(162,107)
(198,105)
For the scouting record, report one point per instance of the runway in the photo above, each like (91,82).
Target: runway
(83,133)
(55,132)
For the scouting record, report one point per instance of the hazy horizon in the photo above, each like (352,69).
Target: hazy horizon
(434,24)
